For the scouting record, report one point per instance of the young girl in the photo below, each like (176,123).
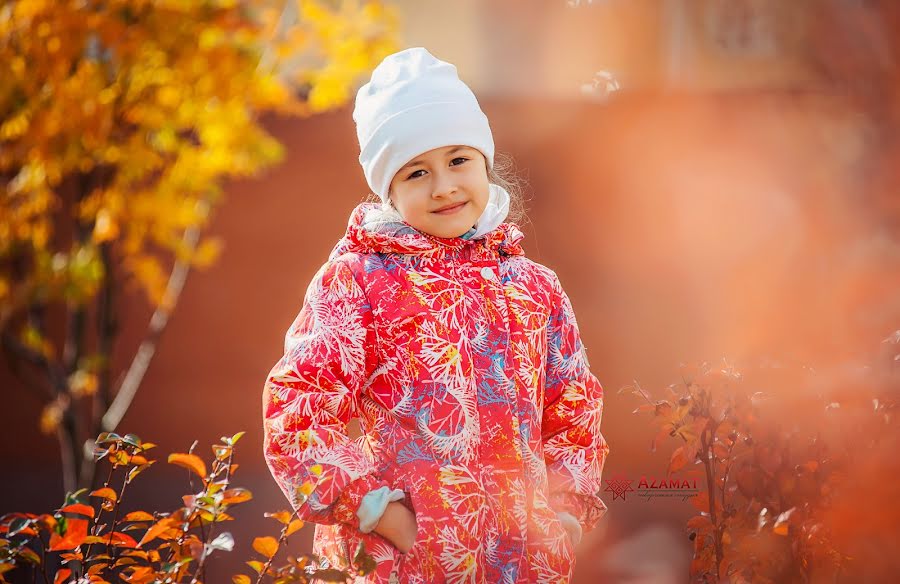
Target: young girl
(481,453)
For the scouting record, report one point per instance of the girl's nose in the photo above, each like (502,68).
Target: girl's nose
(444,184)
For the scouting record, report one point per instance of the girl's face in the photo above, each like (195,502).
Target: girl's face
(442,192)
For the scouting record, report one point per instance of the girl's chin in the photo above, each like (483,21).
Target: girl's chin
(447,229)
(446,233)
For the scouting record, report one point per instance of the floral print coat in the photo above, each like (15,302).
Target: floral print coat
(463,362)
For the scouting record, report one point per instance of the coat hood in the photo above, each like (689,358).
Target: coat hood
(371,230)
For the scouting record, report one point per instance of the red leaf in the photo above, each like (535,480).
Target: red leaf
(120,539)
(76,532)
(79,509)
(700,523)
(678,460)
(701,501)
(62,575)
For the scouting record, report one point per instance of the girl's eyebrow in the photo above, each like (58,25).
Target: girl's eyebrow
(415,162)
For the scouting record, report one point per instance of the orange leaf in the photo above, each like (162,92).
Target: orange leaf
(79,509)
(191,462)
(161,526)
(782,523)
(240,579)
(76,532)
(138,516)
(140,575)
(294,526)
(235,496)
(62,575)
(267,546)
(282,516)
(105,493)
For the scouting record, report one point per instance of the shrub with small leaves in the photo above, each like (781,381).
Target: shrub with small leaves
(773,478)
(91,540)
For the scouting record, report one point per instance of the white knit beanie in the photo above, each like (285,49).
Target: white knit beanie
(415,103)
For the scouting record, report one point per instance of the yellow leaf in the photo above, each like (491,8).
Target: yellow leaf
(50,417)
(267,546)
(208,252)
(105,227)
(83,383)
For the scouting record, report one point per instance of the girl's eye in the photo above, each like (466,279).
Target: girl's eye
(455,162)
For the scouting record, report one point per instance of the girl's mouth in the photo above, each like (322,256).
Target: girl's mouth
(451,210)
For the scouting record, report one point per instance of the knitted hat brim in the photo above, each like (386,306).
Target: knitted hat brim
(417,130)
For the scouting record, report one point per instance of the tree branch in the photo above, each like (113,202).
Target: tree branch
(141,362)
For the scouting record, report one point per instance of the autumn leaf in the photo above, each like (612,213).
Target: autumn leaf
(678,460)
(281,516)
(782,522)
(120,539)
(157,530)
(191,462)
(74,535)
(267,546)
(105,493)
(294,526)
(235,496)
(701,501)
(700,523)
(79,509)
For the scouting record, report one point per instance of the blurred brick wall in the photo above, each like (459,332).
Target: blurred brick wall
(682,228)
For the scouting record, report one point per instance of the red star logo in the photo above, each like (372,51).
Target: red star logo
(618,486)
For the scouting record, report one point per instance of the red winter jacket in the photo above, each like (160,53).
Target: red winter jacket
(463,362)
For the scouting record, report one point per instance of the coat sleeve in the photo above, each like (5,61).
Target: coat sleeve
(312,393)
(574,448)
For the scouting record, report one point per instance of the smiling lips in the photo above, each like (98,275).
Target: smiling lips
(450,209)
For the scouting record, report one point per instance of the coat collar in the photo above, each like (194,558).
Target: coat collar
(369,231)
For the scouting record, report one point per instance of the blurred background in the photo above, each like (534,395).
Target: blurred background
(713,181)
